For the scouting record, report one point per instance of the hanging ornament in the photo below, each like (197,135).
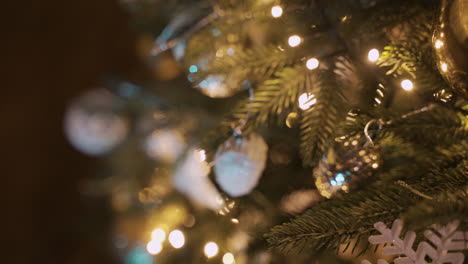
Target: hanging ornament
(349,161)
(450,44)
(239,163)
(95,124)
(191,179)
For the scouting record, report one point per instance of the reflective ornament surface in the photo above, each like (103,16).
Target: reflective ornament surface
(191,179)
(345,165)
(450,44)
(95,123)
(239,163)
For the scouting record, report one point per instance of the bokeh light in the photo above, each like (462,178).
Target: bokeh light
(312,64)
(276,11)
(211,249)
(177,239)
(294,40)
(228,258)
(154,247)
(373,55)
(407,85)
(306,100)
(158,235)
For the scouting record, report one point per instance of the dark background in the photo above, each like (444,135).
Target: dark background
(51,51)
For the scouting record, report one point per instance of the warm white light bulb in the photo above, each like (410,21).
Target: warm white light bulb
(211,249)
(276,11)
(228,258)
(306,100)
(444,67)
(373,55)
(312,64)
(438,44)
(407,85)
(294,40)
(158,235)
(154,247)
(177,239)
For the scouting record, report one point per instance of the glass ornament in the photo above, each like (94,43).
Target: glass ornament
(450,44)
(95,123)
(347,163)
(239,163)
(191,178)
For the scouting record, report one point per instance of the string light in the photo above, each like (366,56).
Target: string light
(294,41)
(177,239)
(407,85)
(154,247)
(444,67)
(312,64)
(306,100)
(438,44)
(276,11)
(158,235)
(211,249)
(228,258)
(373,55)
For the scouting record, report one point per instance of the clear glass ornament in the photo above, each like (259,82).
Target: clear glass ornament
(345,165)
(239,163)
(95,123)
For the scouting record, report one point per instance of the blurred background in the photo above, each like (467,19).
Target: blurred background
(53,51)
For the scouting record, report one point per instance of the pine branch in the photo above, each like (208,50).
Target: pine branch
(436,127)
(320,121)
(259,63)
(442,209)
(338,221)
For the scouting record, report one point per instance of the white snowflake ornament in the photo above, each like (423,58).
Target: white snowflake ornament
(446,240)
(239,163)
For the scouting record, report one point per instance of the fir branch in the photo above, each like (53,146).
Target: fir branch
(258,63)
(407,57)
(338,221)
(442,209)
(320,121)
(439,126)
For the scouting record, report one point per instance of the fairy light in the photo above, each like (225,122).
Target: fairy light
(154,247)
(312,64)
(306,100)
(444,67)
(158,235)
(276,11)
(407,85)
(228,258)
(373,55)
(438,44)
(294,41)
(177,239)
(211,249)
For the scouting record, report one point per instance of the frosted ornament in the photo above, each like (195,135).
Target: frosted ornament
(191,179)
(347,163)
(239,164)
(94,123)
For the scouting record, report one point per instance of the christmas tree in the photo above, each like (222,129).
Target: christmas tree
(300,131)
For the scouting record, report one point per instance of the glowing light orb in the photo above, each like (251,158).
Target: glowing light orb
(177,239)
(158,235)
(228,258)
(306,100)
(211,249)
(294,40)
(312,64)
(276,11)
(444,67)
(373,55)
(407,85)
(154,247)
(438,44)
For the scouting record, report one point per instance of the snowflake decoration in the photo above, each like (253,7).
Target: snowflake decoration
(446,240)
